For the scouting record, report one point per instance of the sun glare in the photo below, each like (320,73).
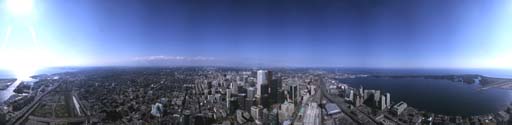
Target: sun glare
(23,63)
(502,62)
(19,7)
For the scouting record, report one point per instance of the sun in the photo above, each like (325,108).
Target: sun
(23,61)
(19,7)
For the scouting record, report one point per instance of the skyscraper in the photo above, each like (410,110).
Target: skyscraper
(293,93)
(263,78)
(228,97)
(234,88)
(383,102)
(351,96)
(185,120)
(376,95)
(274,87)
(251,92)
(361,91)
(388,100)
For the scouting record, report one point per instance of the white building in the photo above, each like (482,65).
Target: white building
(286,111)
(261,79)
(383,102)
(257,113)
(157,109)
(388,101)
(234,88)
(376,95)
(399,108)
(228,97)
(349,95)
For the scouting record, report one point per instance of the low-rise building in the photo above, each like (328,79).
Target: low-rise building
(399,108)
(332,109)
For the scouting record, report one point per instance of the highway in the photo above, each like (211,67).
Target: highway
(21,115)
(58,120)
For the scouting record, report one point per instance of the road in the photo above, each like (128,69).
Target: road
(58,120)
(6,93)
(362,119)
(25,112)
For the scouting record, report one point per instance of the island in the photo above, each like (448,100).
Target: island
(486,82)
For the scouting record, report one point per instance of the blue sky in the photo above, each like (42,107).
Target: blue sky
(348,33)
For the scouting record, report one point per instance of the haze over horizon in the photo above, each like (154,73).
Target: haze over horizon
(349,33)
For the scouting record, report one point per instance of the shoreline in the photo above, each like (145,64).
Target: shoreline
(6,83)
(440,116)
(485,82)
(478,86)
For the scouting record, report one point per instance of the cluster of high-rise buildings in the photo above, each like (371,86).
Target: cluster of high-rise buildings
(199,95)
(259,97)
(365,106)
(371,97)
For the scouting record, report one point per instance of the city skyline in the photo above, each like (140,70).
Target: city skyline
(255,62)
(371,33)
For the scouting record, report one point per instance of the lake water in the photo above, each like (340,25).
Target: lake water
(5,94)
(4,74)
(502,73)
(438,96)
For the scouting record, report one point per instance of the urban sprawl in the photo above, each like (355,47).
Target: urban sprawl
(212,95)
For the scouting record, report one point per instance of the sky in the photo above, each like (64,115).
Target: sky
(335,33)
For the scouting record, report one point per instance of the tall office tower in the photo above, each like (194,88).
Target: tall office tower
(351,95)
(228,97)
(361,91)
(359,100)
(185,120)
(251,92)
(274,87)
(382,102)
(249,103)
(264,99)
(234,88)
(241,101)
(366,93)
(263,78)
(293,93)
(376,96)
(233,105)
(388,100)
